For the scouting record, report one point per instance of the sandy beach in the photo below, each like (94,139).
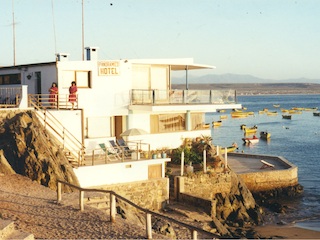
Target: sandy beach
(34,209)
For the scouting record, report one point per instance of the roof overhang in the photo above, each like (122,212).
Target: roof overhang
(180,67)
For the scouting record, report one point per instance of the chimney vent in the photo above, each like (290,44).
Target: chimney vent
(62,57)
(92,53)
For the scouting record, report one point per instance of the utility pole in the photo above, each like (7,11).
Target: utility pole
(82,32)
(14,35)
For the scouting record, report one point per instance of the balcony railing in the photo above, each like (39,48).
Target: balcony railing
(163,97)
(10,96)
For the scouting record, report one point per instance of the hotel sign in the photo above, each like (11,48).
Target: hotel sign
(109,68)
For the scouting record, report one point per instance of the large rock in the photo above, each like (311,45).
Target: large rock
(32,151)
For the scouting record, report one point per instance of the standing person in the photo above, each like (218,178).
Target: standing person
(53,96)
(73,93)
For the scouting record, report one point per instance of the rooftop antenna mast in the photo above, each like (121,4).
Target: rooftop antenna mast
(82,32)
(14,35)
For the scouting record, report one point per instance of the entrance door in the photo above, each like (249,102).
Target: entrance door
(118,126)
(38,82)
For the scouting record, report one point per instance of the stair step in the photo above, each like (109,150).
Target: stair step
(8,231)
(102,202)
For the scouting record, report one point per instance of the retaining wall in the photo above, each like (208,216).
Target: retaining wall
(272,179)
(152,194)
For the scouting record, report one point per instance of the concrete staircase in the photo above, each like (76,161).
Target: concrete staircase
(8,231)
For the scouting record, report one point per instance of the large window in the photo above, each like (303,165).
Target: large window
(82,78)
(7,79)
(168,123)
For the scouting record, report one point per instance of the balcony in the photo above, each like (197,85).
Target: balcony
(182,97)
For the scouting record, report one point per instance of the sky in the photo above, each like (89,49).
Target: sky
(271,39)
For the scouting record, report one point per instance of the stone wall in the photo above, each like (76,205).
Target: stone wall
(205,185)
(151,194)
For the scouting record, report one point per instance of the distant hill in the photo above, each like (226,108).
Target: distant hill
(237,78)
(256,88)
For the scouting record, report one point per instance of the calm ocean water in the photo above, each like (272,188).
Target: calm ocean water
(297,140)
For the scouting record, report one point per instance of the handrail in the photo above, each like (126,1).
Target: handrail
(194,230)
(68,140)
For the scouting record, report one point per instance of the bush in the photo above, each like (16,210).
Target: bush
(190,155)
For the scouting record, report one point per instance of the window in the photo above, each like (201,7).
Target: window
(82,78)
(7,79)
(168,123)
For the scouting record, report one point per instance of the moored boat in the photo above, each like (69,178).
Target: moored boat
(222,150)
(293,111)
(223,117)
(316,114)
(272,113)
(276,105)
(286,116)
(216,123)
(251,129)
(252,140)
(265,135)
(239,114)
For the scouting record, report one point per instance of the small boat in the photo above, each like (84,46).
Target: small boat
(316,114)
(276,105)
(284,110)
(216,123)
(272,113)
(298,108)
(286,116)
(229,149)
(223,117)
(293,111)
(221,110)
(206,126)
(265,135)
(239,114)
(261,112)
(251,129)
(252,140)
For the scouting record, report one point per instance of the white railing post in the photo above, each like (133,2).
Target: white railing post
(113,207)
(204,161)
(225,158)
(182,163)
(149,226)
(59,197)
(81,200)
(194,234)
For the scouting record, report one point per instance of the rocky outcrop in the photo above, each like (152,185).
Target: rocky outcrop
(29,150)
(237,209)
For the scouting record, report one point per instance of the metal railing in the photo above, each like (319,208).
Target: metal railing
(163,97)
(10,96)
(114,198)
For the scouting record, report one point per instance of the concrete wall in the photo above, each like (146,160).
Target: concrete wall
(152,194)
(268,180)
(114,173)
